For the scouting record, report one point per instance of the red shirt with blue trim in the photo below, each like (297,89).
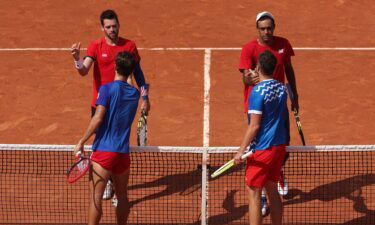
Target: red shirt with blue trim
(104,60)
(282,50)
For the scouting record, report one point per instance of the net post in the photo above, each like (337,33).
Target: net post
(204,214)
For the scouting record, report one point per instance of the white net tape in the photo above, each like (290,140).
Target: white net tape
(191,149)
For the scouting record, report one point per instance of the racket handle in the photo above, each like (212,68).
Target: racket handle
(247,154)
(78,154)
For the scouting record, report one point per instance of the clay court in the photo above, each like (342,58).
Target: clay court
(45,101)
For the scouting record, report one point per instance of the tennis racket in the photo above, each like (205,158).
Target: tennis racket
(79,168)
(142,129)
(230,164)
(296,116)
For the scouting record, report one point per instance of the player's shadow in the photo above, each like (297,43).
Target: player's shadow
(232,212)
(182,183)
(175,183)
(332,191)
(349,188)
(360,206)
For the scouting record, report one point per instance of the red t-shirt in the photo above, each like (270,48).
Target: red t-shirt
(282,50)
(104,60)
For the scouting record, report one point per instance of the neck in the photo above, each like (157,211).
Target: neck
(110,41)
(265,43)
(263,77)
(120,78)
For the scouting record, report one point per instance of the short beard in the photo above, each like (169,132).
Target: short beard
(114,40)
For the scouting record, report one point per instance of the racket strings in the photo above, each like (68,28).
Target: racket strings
(78,170)
(142,130)
(82,165)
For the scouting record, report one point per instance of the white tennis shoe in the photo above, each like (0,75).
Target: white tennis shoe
(108,192)
(282,187)
(114,201)
(263,205)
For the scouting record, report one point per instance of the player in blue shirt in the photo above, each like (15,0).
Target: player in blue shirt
(117,104)
(268,112)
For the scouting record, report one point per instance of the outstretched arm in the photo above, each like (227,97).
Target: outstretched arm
(250,134)
(289,72)
(141,82)
(82,66)
(94,124)
(249,77)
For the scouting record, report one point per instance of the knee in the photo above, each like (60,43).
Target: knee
(274,196)
(97,199)
(123,198)
(254,192)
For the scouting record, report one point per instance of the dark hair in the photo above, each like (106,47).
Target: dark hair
(264,18)
(125,63)
(267,62)
(108,14)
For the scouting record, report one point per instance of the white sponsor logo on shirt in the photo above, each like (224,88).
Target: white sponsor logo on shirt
(281,51)
(104,55)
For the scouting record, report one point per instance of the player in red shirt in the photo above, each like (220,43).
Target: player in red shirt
(101,54)
(282,50)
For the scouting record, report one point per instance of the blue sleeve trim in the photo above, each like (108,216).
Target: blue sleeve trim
(139,76)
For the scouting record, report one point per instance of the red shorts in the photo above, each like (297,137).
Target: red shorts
(115,162)
(264,165)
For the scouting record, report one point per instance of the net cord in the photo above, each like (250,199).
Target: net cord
(189,149)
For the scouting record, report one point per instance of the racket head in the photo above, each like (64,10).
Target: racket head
(299,127)
(223,168)
(230,164)
(142,129)
(78,169)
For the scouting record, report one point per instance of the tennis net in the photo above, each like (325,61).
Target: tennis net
(327,185)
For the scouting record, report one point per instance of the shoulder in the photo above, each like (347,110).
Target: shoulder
(249,48)
(106,87)
(104,91)
(264,85)
(96,42)
(250,45)
(127,42)
(281,40)
(129,91)
(257,89)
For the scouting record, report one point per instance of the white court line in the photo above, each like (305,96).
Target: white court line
(206,134)
(206,98)
(203,49)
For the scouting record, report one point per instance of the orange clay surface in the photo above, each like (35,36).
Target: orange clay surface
(44,100)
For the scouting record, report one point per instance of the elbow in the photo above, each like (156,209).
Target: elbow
(82,72)
(97,121)
(256,128)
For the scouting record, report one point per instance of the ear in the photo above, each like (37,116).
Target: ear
(257,68)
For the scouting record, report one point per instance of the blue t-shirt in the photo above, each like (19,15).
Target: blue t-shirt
(269,99)
(121,101)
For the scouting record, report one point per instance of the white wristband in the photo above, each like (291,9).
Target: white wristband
(78,64)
